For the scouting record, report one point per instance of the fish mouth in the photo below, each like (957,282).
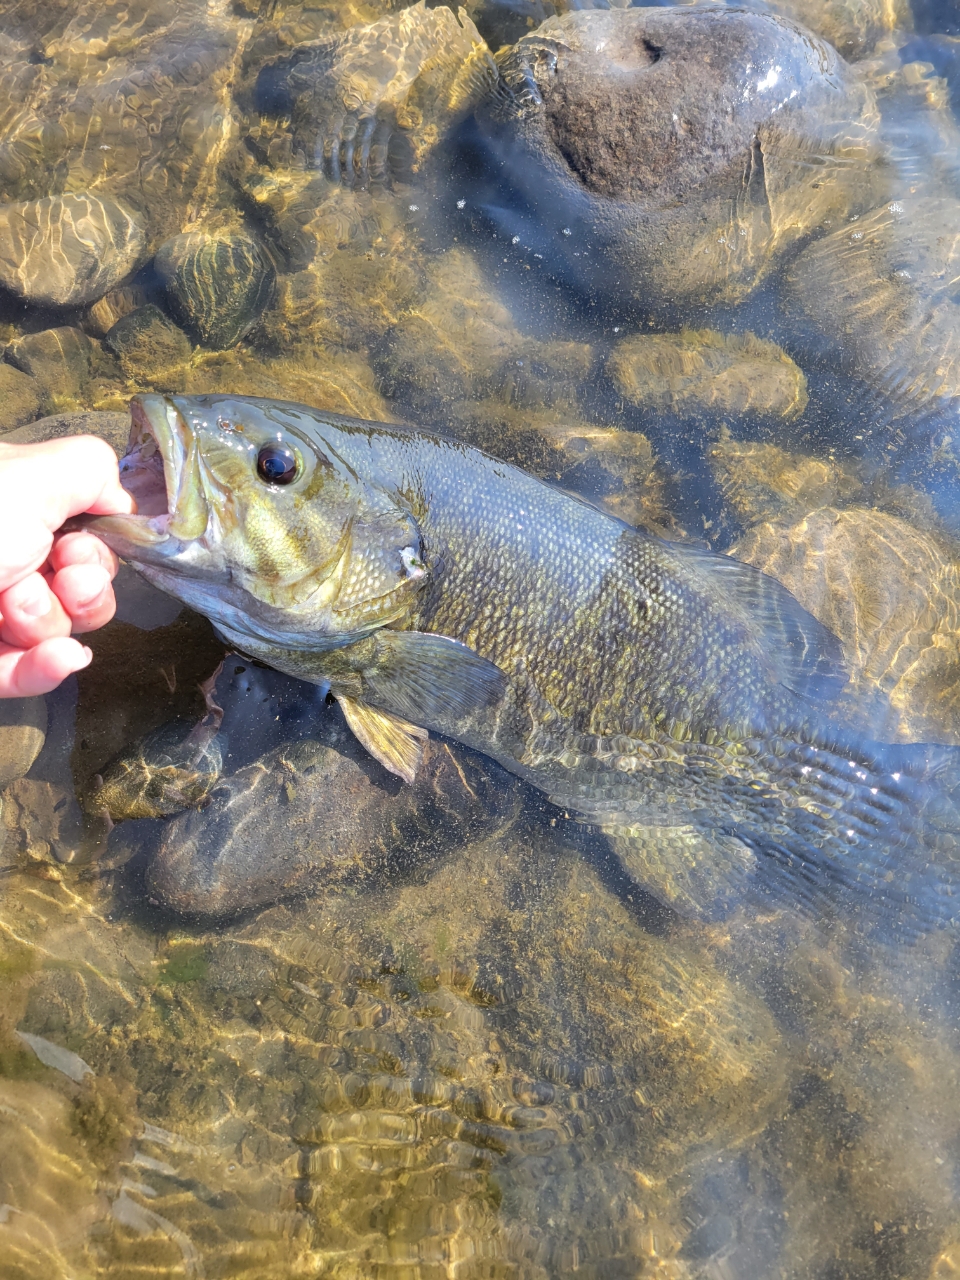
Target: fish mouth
(161,470)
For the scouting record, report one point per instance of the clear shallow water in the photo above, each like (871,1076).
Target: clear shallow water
(466,1042)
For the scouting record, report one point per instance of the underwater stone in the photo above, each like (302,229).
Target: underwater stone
(150,348)
(892,595)
(374,105)
(853,29)
(112,427)
(660,163)
(19,398)
(113,306)
(218,284)
(23,728)
(307,815)
(699,370)
(67,249)
(890,312)
(460,342)
(59,359)
(761,481)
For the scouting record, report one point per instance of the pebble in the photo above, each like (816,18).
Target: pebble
(113,306)
(65,250)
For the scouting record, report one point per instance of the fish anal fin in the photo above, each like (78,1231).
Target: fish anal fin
(395,743)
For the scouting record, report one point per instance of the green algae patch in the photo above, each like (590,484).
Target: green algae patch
(187,963)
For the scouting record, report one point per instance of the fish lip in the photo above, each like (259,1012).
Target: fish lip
(155,417)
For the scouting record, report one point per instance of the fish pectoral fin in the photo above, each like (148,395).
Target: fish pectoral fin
(429,677)
(396,743)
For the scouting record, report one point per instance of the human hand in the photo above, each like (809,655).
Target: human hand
(52,584)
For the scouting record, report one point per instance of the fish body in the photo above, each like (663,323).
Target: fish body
(647,686)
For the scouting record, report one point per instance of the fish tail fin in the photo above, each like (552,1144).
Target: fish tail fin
(868,833)
(874,830)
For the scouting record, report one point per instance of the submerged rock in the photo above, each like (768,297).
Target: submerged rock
(761,481)
(374,103)
(112,427)
(113,306)
(60,361)
(892,595)
(23,728)
(68,249)
(218,284)
(150,348)
(365,272)
(169,770)
(460,342)
(130,101)
(892,318)
(20,398)
(299,818)
(853,27)
(702,371)
(669,156)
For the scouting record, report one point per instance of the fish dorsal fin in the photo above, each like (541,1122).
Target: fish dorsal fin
(806,656)
(396,743)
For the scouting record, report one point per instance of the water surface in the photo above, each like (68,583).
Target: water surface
(458,1039)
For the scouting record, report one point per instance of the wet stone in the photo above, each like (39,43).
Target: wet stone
(113,306)
(892,595)
(67,249)
(687,183)
(112,427)
(218,285)
(169,770)
(616,469)
(475,349)
(42,822)
(23,728)
(854,29)
(326,377)
(890,319)
(366,272)
(761,481)
(372,106)
(59,359)
(20,398)
(702,371)
(151,348)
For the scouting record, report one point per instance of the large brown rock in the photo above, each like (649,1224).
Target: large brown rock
(68,249)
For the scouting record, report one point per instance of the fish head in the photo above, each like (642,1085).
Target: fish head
(246,512)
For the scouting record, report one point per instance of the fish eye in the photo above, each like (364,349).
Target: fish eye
(276,464)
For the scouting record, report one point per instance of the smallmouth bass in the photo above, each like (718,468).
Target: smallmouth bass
(675,697)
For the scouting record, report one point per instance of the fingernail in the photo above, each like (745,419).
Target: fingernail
(35,604)
(88,654)
(90,601)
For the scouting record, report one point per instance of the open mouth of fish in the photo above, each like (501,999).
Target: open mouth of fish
(161,470)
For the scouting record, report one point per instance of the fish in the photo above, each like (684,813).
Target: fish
(673,697)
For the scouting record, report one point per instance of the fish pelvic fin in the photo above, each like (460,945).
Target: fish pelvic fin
(395,743)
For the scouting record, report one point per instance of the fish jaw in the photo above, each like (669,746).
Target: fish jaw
(161,469)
